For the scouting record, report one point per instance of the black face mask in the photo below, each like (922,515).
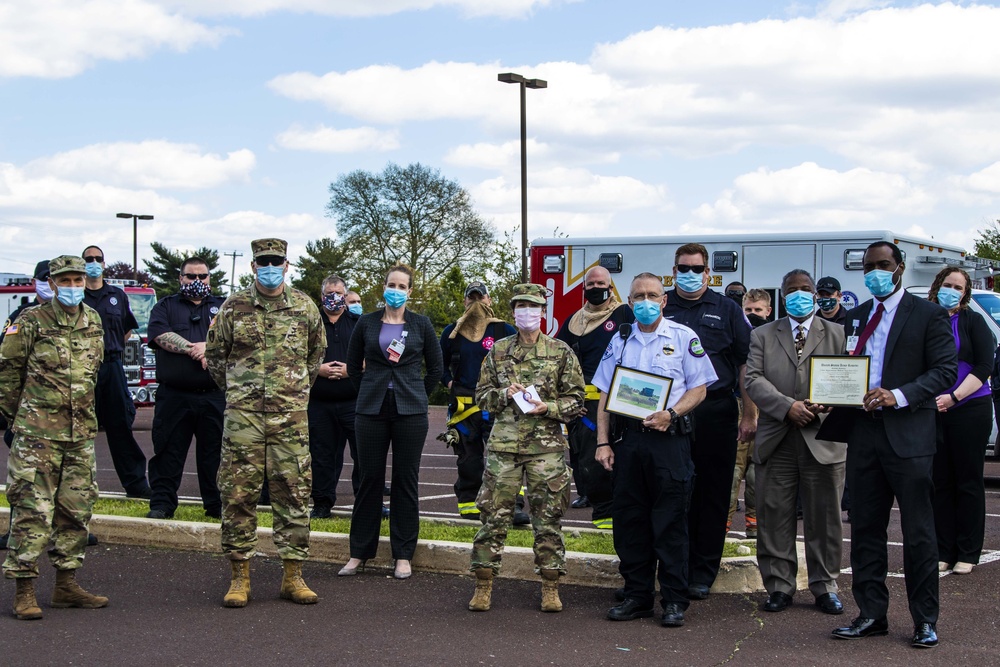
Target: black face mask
(736,296)
(756,320)
(595,296)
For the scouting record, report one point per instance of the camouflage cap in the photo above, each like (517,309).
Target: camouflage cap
(530,292)
(264,247)
(66,264)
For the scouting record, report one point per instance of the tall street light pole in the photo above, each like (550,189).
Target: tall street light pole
(510,77)
(135,240)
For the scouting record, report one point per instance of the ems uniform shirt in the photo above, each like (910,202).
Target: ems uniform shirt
(722,328)
(175,314)
(111,303)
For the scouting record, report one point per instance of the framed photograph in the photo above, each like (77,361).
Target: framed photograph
(838,380)
(637,394)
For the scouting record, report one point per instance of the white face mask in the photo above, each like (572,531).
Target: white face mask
(528,319)
(43,290)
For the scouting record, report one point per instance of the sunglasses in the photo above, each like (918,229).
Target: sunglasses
(697,268)
(195,276)
(94,258)
(270,260)
(734,293)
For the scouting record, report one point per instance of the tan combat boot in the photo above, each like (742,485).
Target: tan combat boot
(550,591)
(25,605)
(239,587)
(293,587)
(484,590)
(68,593)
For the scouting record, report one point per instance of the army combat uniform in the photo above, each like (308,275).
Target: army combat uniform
(266,351)
(531,445)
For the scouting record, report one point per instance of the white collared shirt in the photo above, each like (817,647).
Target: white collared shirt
(875,347)
(807,325)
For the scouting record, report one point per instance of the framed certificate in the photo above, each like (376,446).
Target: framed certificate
(838,380)
(637,394)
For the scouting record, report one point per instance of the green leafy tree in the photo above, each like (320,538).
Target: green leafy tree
(406,214)
(445,301)
(323,257)
(500,268)
(987,246)
(165,268)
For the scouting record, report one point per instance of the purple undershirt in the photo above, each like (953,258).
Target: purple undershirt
(387,334)
(964,368)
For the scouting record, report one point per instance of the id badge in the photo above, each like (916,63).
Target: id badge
(852,344)
(395,350)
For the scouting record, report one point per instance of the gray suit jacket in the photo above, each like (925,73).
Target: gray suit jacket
(776,378)
(410,384)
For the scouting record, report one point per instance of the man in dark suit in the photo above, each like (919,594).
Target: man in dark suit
(789,457)
(891,443)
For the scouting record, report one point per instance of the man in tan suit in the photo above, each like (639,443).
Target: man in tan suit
(789,458)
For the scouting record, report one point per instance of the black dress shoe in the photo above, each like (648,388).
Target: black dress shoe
(159,514)
(673,616)
(777,601)
(698,592)
(91,540)
(863,627)
(630,610)
(829,603)
(620,594)
(320,512)
(580,502)
(924,636)
(521,518)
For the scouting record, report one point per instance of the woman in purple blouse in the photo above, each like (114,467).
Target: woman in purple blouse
(965,418)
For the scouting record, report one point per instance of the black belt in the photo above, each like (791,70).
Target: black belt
(636,426)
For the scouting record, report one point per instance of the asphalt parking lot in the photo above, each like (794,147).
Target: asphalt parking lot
(165,610)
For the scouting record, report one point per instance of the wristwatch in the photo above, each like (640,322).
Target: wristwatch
(673,415)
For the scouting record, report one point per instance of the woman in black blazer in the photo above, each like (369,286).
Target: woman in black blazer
(385,357)
(965,418)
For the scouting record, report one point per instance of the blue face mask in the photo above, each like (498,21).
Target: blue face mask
(646,311)
(71,297)
(690,281)
(394,298)
(270,277)
(800,303)
(880,282)
(355,308)
(949,298)
(94,270)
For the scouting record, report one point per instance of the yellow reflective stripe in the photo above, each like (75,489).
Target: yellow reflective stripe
(468,508)
(592,393)
(462,414)
(605,524)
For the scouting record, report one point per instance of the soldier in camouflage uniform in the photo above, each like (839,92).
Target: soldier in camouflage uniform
(48,368)
(264,348)
(526,443)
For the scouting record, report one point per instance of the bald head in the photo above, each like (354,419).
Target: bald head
(597,276)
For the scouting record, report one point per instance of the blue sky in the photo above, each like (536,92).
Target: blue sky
(228,119)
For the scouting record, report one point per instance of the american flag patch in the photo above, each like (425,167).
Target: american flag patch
(11,330)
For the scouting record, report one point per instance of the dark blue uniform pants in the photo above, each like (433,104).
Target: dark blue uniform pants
(331,427)
(116,414)
(179,416)
(651,494)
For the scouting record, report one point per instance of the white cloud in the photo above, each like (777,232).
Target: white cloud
(813,197)
(148,164)
(325,139)
(61,38)
(359,8)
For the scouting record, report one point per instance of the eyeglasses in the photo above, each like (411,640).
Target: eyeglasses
(269,260)
(94,258)
(697,268)
(195,276)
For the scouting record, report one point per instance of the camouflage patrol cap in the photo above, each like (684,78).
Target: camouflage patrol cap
(264,247)
(530,292)
(66,264)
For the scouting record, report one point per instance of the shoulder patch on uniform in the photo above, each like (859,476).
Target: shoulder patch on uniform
(11,330)
(113,300)
(488,342)
(213,310)
(608,353)
(695,348)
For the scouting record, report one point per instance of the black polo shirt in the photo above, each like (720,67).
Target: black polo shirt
(590,348)
(840,317)
(175,314)
(111,303)
(338,335)
(722,328)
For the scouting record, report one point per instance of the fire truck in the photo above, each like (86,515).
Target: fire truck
(138,359)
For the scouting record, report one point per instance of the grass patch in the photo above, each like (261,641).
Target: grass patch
(586,542)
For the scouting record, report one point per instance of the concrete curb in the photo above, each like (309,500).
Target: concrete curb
(737,575)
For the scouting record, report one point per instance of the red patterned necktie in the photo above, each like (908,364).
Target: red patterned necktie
(869,330)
